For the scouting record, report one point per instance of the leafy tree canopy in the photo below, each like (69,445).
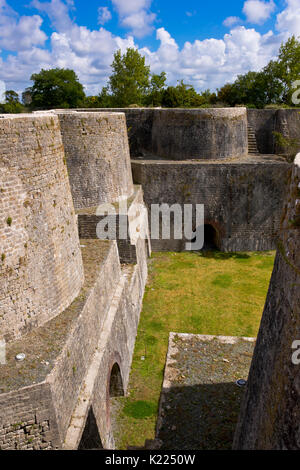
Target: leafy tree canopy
(273,85)
(12,103)
(130,79)
(56,88)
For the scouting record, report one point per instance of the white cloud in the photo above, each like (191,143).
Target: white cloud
(231,20)
(58,11)
(205,64)
(104,15)
(258,11)
(191,13)
(212,62)
(19,33)
(127,7)
(134,15)
(289,20)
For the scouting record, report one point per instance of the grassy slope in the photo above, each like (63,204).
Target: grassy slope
(215,293)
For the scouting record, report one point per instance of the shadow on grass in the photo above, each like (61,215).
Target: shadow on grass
(200,417)
(219,255)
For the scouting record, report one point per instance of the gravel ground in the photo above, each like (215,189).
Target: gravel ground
(200,400)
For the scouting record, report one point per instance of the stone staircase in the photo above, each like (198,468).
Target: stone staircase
(252,144)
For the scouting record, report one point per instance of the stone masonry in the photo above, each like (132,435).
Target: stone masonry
(72,305)
(97,155)
(37,226)
(84,305)
(270,413)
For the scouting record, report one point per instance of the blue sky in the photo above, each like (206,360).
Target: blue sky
(206,43)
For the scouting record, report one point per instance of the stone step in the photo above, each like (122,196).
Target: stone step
(252,143)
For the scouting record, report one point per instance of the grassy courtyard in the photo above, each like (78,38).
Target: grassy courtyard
(206,293)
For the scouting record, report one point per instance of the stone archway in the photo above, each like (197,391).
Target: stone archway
(211,238)
(116,388)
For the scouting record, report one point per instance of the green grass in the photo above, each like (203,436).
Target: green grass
(213,293)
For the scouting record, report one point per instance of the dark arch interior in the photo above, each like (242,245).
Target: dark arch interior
(210,238)
(90,438)
(116,383)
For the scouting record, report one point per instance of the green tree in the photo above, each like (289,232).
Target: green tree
(288,67)
(273,85)
(182,96)
(129,81)
(157,85)
(105,99)
(12,103)
(56,88)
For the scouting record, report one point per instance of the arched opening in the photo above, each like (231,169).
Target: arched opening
(116,383)
(211,238)
(90,437)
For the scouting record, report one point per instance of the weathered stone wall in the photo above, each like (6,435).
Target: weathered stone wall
(243,201)
(88,221)
(266,121)
(180,134)
(40,262)
(206,134)
(270,413)
(97,155)
(70,346)
(141,123)
(71,367)
(27,420)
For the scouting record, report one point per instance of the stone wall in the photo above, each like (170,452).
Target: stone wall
(27,420)
(78,330)
(180,134)
(97,155)
(243,201)
(40,262)
(270,412)
(133,222)
(47,397)
(265,121)
(206,134)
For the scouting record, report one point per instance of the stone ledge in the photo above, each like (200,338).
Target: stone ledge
(43,345)
(200,399)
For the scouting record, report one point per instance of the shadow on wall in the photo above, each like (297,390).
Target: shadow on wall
(90,438)
(200,417)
